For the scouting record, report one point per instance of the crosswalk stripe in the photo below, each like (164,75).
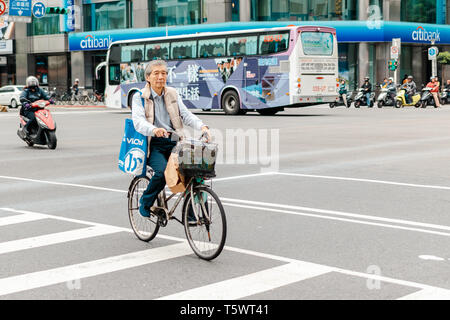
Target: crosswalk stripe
(55,238)
(428,294)
(251,284)
(20,218)
(92,268)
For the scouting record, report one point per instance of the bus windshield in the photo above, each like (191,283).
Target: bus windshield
(317,43)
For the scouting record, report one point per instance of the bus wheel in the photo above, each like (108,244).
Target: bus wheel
(231,103)
(268,111)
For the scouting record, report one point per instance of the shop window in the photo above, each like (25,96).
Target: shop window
(42,69)
(418,11)
(48,24)
(303,10)
(176,12)
(242,45)
(107,15)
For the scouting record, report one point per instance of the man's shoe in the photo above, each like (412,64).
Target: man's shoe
(143,211)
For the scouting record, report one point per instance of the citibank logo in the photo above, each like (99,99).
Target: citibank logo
(422,34)
(91,42)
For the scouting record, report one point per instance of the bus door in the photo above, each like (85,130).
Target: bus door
(252,82)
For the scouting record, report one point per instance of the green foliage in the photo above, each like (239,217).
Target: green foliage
(444,57)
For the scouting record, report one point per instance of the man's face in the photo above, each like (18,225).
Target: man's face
(157,77)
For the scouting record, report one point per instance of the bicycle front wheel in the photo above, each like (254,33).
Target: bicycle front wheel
(144,228)
(207,234)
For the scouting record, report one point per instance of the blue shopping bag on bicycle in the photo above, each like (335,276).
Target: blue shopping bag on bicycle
(133,151)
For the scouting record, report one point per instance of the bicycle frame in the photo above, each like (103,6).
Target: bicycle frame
(189,189)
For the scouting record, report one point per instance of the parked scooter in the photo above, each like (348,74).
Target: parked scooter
(400,100)
(426,98)
(341,101)
(360,99)
(42,131)
(386,98)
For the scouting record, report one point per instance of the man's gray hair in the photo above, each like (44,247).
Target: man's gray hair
(154,63)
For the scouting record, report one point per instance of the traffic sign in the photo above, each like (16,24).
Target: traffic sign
(394,52)
(2,7)
(433,53)
(38,10)
(20,10)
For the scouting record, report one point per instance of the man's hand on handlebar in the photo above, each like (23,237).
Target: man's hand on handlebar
(160,133)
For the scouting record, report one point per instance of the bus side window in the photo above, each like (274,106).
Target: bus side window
(184,50)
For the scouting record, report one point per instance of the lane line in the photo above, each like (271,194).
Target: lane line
(428,294)
(253,283)
(278,206)
(92,268)
(414,185)
(384,225)
(261,255)
(25,217)
(63,184)
(55,238)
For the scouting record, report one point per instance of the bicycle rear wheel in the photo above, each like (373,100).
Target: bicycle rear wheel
(207,235)
(144,228)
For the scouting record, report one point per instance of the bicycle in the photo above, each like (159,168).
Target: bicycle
(205,233)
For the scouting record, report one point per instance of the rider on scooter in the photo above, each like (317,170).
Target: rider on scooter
(367,87)
(391,88)
(30,94)
(410,89)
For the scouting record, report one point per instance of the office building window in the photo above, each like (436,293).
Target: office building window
(48,24)
(174,12)
(418,11)
(303,10)
(107,15)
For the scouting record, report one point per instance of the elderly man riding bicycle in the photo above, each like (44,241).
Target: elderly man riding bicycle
(155,112)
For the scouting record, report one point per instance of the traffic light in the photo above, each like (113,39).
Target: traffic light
(392,65)
(56,10)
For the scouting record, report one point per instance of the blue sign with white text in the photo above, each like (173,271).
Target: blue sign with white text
(20,8)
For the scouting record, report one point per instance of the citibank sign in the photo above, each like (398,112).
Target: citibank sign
(91,42)
(422,34)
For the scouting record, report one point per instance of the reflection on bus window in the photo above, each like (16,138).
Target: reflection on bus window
(127,73)
(273,43)
(211,48)
(157,51)
(183,50)
(242,46)
(132,53)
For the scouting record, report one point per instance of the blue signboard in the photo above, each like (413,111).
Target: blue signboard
(38,10)
(346,31)
(20,8)
(69,18)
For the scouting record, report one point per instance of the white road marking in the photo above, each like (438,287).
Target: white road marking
(90,272)
(63,184)
(430,257)
(428,294)
(365,180)
(26,217)
(273,208)
(55,238)
(253,283)
(92,268)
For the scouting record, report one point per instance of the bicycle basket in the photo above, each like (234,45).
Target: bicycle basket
(196,158)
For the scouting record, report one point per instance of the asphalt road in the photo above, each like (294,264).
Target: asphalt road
(321,204)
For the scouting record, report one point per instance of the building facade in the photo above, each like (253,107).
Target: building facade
(365,30)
